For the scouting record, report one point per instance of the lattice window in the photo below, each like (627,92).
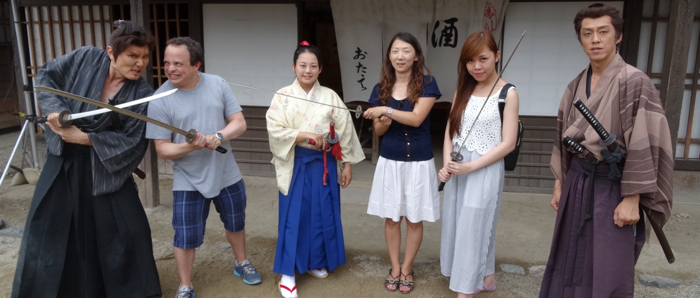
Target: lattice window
(52,31)
(168,20)
(650,60)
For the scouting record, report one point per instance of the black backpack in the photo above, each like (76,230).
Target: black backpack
(511,159)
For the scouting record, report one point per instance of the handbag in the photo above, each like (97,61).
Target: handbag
(511,160)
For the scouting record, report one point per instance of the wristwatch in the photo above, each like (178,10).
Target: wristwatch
(388,113)
(219,136)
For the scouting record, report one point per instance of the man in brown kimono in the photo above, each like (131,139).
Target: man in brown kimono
(594,250)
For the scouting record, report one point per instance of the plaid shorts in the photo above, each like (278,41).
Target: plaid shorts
(191,209)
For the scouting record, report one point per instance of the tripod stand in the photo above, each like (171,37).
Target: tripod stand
(27,123)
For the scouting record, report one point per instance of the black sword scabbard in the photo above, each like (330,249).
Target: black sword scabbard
(607,139)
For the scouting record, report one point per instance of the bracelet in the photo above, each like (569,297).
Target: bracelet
(389,112)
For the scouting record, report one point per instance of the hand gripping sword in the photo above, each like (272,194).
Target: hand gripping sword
(64,116)
(455,155)
(613,155)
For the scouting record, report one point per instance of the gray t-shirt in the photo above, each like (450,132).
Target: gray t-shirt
(204,108)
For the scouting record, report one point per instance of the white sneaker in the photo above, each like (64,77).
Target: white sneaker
(319,273)
(288,286)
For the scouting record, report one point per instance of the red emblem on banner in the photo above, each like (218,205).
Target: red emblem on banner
(489,21)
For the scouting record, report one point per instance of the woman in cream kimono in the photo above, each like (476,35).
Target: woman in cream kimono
(310,234)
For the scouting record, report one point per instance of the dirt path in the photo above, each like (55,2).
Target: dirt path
(523,238)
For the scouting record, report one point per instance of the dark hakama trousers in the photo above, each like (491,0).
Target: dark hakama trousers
(79,245)
(310,232)
(598,262)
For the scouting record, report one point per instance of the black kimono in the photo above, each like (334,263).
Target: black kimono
(87,234)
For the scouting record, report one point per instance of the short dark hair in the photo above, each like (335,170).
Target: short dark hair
(193,47)
(129,33)
(598,10)
(308,48)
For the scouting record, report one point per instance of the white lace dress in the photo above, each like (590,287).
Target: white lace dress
(472,201)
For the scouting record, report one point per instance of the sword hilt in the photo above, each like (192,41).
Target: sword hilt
(63,119)
(456,156)
(192,133)
(573,144)
(592,120)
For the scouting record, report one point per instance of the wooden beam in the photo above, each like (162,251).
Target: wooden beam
(631,31)
(149,193)
(196,23)
(676,62)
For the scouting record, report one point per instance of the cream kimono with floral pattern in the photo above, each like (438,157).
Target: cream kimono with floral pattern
(287,117)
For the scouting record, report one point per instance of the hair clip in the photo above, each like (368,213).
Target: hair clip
(305,43)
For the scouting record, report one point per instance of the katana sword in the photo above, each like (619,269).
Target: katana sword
(358,110)
(455,155)
(576,146)
(607,140)
(189,135)
(76,116)
(611,152)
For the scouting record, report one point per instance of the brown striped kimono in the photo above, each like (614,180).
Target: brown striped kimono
(599,261)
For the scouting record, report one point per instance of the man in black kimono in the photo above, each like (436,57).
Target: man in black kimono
(87,234)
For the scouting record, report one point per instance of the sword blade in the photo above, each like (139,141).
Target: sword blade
(358,110)
(121,106)
(115,109)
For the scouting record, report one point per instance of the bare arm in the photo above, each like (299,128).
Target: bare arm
(235,127)
(556,194)
(411,118)
(381,125)
(169,150)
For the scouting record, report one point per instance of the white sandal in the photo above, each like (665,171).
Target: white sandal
(318,273)
(287,290)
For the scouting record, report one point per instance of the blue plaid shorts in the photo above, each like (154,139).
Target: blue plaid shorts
(191,209)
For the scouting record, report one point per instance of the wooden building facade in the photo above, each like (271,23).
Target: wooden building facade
(660,37)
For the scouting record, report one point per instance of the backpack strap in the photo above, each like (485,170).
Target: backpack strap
(502,99)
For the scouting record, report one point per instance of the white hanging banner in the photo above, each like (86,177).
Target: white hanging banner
(358,30)
(365,27)
(453,22)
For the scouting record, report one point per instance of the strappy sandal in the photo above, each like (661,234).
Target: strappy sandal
(393,281)
(406,283)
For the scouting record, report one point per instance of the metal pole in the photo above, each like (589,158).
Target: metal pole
(9,161)
(25,82)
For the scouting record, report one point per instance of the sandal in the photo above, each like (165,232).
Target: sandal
(406,283)
(393,281)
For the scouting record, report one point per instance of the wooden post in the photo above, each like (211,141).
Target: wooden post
(149,193)
(676,62)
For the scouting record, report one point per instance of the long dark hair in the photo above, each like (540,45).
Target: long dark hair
(474,44)
(388,76)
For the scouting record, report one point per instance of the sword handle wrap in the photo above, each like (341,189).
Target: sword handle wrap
(573,144)
(592,120)
(192,133)
(455,157)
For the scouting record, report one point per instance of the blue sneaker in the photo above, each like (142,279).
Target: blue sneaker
(249,274)
(185,292)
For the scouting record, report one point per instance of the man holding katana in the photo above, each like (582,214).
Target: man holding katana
(87,234)
(200,174)
(599,230)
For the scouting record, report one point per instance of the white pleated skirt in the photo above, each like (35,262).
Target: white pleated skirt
(405,188)
(470,215)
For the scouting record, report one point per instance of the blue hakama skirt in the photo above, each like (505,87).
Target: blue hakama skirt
(310,232)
